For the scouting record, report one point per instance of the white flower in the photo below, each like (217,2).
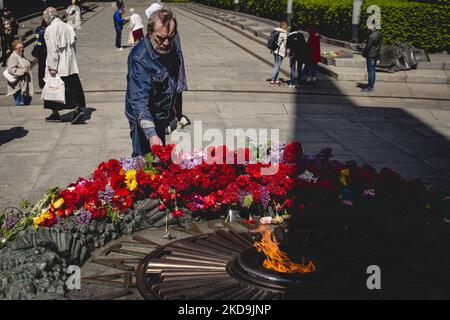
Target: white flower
(308,176)
(266,220)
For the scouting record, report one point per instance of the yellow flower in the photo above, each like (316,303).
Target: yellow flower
(278,219)
(37,221)
(344,173)
(58,203)
(130,179)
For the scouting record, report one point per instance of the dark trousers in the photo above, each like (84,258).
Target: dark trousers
(140,143)
(6,46)
(371,71)
(41,71)
(118,38)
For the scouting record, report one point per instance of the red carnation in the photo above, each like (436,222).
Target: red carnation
(177,213)
(293,152)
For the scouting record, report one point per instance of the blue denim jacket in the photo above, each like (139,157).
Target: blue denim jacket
(151,87)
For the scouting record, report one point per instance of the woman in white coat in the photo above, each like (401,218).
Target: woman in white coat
(74,16)
(136,26)
(19,71)
(61,60)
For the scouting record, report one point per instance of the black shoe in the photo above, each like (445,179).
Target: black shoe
(53,118)
(367,89)
(77,117)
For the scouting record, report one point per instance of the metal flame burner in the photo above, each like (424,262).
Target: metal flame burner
(249,267)
(225,265)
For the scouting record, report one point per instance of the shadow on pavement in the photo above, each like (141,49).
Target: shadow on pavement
(11,134)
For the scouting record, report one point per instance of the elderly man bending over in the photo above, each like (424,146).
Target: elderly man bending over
(153,70)
(61,60)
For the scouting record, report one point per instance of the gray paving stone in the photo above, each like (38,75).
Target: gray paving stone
(383,155)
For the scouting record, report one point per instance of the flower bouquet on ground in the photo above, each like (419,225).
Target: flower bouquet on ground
(275,182)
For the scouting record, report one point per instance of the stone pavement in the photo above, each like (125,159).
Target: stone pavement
(404,126)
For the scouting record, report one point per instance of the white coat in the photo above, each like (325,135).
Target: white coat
(74,17)
(282,39)
(136,22)
(61,40)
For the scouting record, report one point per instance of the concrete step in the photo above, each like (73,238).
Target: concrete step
(434,65)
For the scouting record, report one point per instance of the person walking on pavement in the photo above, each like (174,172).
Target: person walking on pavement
(20,69)
(9,30)
(372,54)
(119,22)
(61,60)
(280,52)
(74,15)
(298,54)
(40,52)
(152,80)
(179,120)
(136,26)
(314,47)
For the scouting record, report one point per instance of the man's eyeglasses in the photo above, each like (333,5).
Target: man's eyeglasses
(162,39)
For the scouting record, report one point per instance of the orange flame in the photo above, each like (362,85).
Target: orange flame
(278,260)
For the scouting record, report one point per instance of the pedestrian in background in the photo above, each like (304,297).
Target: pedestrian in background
(136,26)
(61,60)
(372,54)
(20,69)
(119,22)
(298,54)
(9,30)
(280,52)
(74,15)
(314,48)
(40,52)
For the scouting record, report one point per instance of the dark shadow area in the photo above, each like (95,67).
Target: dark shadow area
(67,117)
(361,85)
(11,134)
(398,231)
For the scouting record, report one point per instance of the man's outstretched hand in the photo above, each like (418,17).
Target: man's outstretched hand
(155,141)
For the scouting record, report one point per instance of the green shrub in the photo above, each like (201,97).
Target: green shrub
(425,25)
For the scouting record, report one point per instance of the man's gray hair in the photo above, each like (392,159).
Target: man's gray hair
(163,15)
(50,14)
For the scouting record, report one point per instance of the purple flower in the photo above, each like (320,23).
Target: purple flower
(309,157)
(276,154)
(107,195)
(197,202)
(191,160)
(348,202)
(10,221)
(135,163)
(369,193)
(241,196)
(265,197)
(84,216)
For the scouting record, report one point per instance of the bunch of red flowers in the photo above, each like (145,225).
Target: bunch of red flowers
(297,182)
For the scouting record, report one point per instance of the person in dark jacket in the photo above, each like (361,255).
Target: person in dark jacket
(40,52)
(9,30)
(152,81)
(298,54)
(372,54)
